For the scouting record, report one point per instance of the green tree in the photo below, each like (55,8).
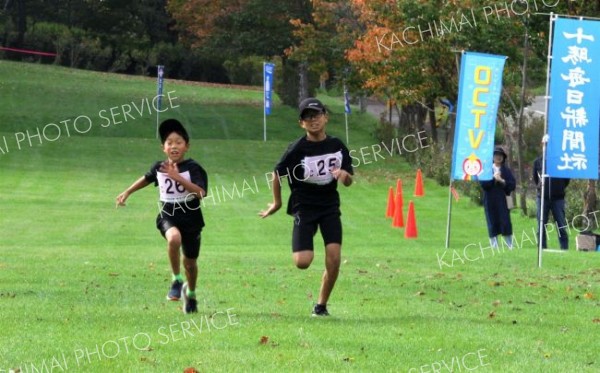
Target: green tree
(236,30)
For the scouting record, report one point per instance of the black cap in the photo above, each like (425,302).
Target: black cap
(499,150)
(311,103)
(172,125)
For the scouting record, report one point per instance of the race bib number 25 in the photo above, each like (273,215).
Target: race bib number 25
(317,169)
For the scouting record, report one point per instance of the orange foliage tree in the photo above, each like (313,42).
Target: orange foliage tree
(197,20)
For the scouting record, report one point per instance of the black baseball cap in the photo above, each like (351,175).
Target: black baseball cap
(311,103)
(169,126)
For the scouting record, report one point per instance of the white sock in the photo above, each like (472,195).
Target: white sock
(509,241)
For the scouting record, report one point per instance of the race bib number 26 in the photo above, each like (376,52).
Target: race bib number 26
(317,169)
(170,190)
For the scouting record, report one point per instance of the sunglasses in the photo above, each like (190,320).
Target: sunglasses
(311,116)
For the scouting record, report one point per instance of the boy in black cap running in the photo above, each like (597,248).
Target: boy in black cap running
(313,166)
(182,183)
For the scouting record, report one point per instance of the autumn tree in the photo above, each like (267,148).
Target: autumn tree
(323,41)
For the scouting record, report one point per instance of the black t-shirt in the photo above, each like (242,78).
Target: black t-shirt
(307,166)
(173,192)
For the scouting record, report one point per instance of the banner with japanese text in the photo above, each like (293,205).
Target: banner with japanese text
(479,90)
(574,112)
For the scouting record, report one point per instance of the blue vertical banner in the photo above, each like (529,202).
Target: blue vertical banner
(159,83)
(479,90)
(574,113)
(347,109)
(269,70)
(160,73)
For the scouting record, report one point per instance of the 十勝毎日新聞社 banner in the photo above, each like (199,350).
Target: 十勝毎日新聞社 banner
(479,91)
(574,113)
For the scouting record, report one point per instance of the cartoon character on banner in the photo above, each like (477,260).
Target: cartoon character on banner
(472,167)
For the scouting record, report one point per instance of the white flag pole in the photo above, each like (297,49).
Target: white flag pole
(544,142)
(346,115)
(346,111)
(449,220)
(264,102)
(159,89)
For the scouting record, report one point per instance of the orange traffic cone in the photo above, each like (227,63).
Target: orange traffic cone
(419,192)
(411,222)
(399,191)
(389,213)
(398,221)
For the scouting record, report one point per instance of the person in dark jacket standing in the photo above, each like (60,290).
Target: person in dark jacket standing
(495,206)
(554,200)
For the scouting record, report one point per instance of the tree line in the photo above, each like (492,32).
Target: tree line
(407,52)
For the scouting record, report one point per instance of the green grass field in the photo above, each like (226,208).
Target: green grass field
(82,284)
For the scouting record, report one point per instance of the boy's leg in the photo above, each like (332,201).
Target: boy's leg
(191,272)
(332,269)
(191,251)
(190,304)
(331,230)
(302,240)
(173,237)
(303,258)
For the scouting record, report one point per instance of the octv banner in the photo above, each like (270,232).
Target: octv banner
(479,92)
(574,113)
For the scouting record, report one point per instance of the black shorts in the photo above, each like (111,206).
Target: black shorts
(306,222)
(190,226)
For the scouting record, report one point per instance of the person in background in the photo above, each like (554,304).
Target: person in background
(496,209)
(554,200)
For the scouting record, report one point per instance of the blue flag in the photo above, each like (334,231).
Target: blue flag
(574,115)
(347,102)
(159,82)
(479,91)
(269,69)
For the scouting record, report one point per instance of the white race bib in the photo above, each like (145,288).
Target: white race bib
(170,190)
(317,169)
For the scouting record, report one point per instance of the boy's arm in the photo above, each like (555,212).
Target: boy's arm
(139,184)
(276,204)
(344,173)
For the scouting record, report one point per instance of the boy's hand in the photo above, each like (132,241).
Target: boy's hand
(341,175)
(273,208)
(170,169)
(121,198)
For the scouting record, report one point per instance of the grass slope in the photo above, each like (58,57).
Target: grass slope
(82,284)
